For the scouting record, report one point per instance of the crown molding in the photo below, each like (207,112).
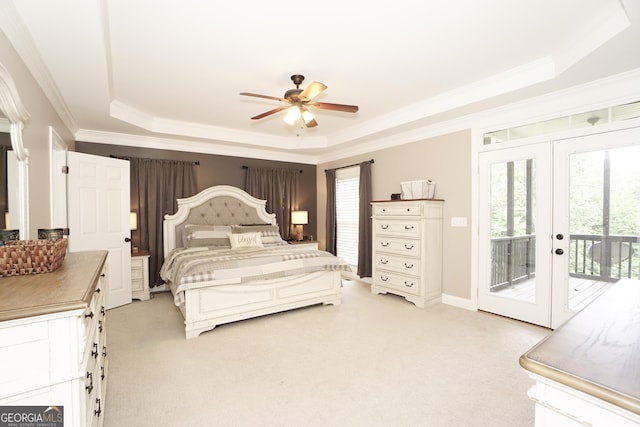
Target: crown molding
(613,90)
(138,118)
(174,144)
(13,27)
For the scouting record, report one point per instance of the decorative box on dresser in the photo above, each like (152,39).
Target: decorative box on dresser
(407,249)
(140,275)
(53,346)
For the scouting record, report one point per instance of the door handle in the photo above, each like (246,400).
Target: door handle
(559,251)
(127,239)
(559,236)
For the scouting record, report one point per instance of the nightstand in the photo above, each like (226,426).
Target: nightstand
(307,244)
(140,275)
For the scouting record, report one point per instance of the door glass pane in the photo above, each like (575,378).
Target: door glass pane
(512,222)
(604,222)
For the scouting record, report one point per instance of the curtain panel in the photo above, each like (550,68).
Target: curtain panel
(155,187)
(365,226)
(4,193)
(279,187)
(331,230)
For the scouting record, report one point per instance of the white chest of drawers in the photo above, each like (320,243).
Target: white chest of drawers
(53,347)
(407,250)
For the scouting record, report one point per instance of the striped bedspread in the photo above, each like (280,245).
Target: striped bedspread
(188,267)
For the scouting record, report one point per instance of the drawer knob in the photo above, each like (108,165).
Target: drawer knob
(98,411)
(408,247)
(104,351)
(384,244)
(89,387)
(408,265)
(100,325)
(384,226)
(90,315)
(384,261)
(408,284)
(408,227)
(383,278)
(97,291)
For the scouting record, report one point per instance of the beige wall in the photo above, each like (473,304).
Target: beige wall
(445,160)
(35,135)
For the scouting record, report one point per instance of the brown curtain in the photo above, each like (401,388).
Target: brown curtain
(331,230)
(279,187)
(365,227)
(155,186)
(4,196)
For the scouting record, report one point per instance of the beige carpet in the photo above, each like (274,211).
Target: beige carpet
(375,360)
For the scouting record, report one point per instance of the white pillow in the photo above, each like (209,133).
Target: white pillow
(245,240)
(207,235)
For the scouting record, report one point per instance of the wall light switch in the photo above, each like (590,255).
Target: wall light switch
(458,221)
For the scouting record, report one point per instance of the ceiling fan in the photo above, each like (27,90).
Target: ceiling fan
(298,101)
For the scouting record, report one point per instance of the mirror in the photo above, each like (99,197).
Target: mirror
(58,179)
(16,116)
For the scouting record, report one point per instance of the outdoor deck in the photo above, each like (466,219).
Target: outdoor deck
(581,293)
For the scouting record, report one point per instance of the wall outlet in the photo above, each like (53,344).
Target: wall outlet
(458,221)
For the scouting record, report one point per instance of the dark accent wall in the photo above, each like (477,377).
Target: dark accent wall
(218,170)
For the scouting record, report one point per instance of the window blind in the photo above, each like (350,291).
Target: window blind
(347,198)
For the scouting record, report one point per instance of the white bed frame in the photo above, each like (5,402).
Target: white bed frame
(212,303)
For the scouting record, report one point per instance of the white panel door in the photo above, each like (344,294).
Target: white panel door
(99,217)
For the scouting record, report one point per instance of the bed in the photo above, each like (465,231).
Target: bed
(252,273)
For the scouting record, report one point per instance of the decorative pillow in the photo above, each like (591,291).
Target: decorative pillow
(245,240)
(207,235)
(269,234)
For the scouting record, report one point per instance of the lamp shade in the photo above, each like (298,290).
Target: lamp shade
(300,217)
(133,220)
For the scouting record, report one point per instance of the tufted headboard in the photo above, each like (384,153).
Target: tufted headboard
(218,205)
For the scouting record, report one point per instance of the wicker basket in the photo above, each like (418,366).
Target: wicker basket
(20,257)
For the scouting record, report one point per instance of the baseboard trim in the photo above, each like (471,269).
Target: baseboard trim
(467,304)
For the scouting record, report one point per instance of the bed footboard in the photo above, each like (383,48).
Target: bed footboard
(205,308)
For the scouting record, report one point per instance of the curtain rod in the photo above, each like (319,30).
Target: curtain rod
(348,166)
(196,162)
(247,167)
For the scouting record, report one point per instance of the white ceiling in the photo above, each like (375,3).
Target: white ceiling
(148,72)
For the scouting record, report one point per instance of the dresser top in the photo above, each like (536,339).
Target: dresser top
(597,351)
(70,287)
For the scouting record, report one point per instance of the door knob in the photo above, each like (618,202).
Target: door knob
(559,236)
(559,251)
(127,239)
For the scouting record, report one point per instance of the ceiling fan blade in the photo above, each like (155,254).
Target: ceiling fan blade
(314,89)
(270,112)
(336,107)
(275,98)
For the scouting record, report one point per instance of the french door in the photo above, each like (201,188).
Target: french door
(560,224)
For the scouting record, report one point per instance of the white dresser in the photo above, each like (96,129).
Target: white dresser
(140,275)
(407,249)
(53,347)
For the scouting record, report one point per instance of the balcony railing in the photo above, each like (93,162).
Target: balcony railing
(513,260)
(596,257)
(606,258)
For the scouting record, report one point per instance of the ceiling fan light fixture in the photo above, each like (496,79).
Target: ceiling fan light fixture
(307,116)
(293,115)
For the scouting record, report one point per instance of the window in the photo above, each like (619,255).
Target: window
(347,210)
